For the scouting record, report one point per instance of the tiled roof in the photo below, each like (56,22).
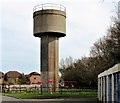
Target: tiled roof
(34,73)
(13,74)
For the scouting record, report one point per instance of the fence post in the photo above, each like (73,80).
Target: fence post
(41,88)
(61,90)
(79,90)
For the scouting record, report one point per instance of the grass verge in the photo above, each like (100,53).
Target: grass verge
(36,95)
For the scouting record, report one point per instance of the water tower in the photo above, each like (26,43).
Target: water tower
(49,25)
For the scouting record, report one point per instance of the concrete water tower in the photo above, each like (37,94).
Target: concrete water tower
(49,25)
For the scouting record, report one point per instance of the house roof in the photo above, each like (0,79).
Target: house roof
(12,74)
(34,73)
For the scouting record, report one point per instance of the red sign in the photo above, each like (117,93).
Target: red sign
(40,82)
(50,81)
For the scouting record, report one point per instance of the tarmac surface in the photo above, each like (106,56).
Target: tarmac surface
(6,99)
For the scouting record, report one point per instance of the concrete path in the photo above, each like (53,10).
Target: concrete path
(6,98)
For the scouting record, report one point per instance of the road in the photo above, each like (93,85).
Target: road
(6,99)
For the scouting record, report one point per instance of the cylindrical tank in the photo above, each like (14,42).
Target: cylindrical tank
(49,18)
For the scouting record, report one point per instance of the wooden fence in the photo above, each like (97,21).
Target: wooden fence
(39,88)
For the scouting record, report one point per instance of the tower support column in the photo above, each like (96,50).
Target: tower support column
(49,60)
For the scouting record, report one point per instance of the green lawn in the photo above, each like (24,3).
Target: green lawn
(36,95)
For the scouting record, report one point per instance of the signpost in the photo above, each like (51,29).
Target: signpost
(40,83)
(50,82)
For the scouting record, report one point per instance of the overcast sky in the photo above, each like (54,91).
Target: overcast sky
(87,21)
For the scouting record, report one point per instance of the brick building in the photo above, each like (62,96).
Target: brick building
(34,77)
(12,77)
(1,78)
